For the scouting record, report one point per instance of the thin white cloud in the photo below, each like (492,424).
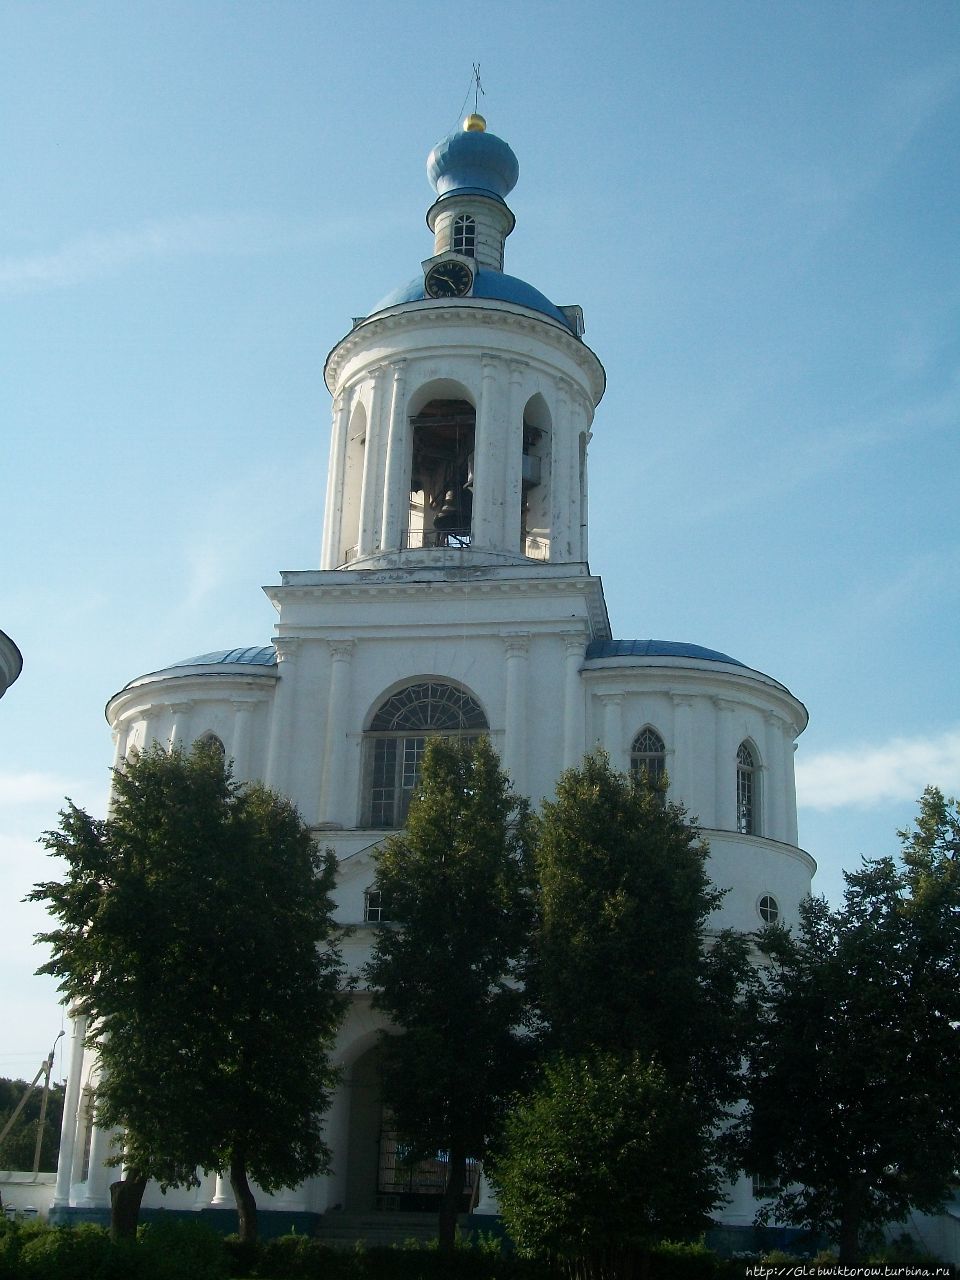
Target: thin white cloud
(101,254)
(894,771)
(21,789)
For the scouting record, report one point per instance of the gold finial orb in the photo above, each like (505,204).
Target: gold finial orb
(474,123)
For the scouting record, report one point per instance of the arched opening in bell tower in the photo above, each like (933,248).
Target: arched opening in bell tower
(535,479)
(443,432)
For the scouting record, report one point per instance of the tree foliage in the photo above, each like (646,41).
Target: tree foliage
(854,1104)
(634,997)
(455,886)
(605,1160)
(623,958)
(195,932)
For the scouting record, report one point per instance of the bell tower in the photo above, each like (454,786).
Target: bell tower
(463,402)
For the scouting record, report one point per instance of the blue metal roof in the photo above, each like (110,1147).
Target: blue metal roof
(656,649)
(486,284)
(472,161)
(266,656)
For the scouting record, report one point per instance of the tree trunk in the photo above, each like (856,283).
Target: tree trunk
(452,1200)
(849,1233)
(125,1198)
(246,1204)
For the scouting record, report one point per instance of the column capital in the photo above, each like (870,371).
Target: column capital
(179,708)
(724,704)
(610,699)
(341,650)
(681,699)
(574,642)
(286,647)
(516,643)
(517,369)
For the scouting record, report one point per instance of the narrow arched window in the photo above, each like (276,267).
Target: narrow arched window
(398,735)
(648,756)
(465,235)
(748,791)
(212,743)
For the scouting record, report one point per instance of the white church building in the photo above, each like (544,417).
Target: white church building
(454,594)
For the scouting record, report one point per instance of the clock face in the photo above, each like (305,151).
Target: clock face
(448,280)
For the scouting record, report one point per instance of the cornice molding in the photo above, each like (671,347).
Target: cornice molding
(468,311)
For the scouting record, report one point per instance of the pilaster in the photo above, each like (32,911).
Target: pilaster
(332,801)
(574,647)
(282,712)
(516,646)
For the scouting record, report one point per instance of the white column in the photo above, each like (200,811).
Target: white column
(98,1175)
(333,503)
(574,647)
(725,816)
(370,492)
(332,800)
(517,647)
(240,739)
(513,461)
(71,1101)
(222,1193)
(561,509)
(282,711)
(120,744)
(582,480)
(680,768)
(179,719)
(790,781)
(488,443)
(772,790)
(396,486)
(612,736)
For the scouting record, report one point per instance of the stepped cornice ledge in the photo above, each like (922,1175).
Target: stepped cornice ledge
(468,311)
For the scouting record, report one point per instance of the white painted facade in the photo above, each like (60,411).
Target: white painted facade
(474,410)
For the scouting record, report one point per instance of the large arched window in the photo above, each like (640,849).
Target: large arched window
(748,791)
(397,737)
(648,756)
(465,235)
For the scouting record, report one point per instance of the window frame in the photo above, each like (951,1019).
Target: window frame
(748,790)
(463,235)
(643,757)
(396,740)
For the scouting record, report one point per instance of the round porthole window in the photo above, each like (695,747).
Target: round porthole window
(768,909)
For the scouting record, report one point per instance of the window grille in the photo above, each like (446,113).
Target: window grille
(747,792)
(398,737)
(465,235)
(768,909)
(373,909)
(648,756)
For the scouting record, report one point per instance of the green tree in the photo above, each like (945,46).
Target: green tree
(624,960)
(455,884)
(195,932)
(605,1161)
(853,1102)
(20,1144)
(625,973)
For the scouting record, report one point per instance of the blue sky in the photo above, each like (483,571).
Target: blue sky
(756,204)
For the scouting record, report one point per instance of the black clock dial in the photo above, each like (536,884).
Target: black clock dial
(448,280)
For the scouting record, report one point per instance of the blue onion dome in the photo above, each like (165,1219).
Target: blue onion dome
(472,160)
